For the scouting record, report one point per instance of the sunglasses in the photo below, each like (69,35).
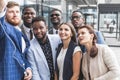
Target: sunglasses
(54,15)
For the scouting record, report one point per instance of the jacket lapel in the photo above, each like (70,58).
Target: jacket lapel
(53,48)
(22,29)
(39,50)
(15,36)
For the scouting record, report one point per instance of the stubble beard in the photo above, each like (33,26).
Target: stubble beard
(13,22)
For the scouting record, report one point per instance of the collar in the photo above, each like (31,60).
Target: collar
(18,28)
(26,28)
(46,41)
(54,31)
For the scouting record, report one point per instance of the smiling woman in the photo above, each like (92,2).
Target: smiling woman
(68,54)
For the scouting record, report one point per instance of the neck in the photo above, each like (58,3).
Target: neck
(56,26)
(66,43)
(42,40)
(28,25)
(88,47)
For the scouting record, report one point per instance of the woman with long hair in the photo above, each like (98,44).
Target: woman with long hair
(68,54)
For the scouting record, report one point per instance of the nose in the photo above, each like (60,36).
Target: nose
(16,13)
(62,31)
(30,15)
(38,30)
(79,35)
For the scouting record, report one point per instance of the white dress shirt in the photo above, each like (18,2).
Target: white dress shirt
(23,41)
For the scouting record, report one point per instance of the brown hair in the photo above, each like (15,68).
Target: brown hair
(12,4)
(73,38)
(94,49)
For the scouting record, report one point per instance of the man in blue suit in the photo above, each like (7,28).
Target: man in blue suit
(13,45)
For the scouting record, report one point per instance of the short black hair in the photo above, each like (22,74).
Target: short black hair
(55,10)
(79,12)
(27,6)
(38,18)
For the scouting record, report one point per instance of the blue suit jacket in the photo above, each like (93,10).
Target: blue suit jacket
(12,60)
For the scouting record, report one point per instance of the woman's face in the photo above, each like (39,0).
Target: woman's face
(65,32)
(84,36)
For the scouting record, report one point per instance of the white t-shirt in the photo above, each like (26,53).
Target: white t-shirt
(60,60)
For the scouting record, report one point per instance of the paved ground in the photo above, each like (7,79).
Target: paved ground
(115,46)
(117,53)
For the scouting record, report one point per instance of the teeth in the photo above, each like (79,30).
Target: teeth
(28,19)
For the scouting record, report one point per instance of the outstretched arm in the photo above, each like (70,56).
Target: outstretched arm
(2,5)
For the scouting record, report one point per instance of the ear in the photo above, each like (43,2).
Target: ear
(83,20)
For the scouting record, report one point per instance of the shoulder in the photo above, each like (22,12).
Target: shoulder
(76,49)
(98,33)
(102,46)
(105,50)
(33,42)
(72,46)
(50,31)
(21,26)
(53,36)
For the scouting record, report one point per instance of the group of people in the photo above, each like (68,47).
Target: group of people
(64,51)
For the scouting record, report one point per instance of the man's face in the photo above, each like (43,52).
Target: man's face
(28,15)
(13,15)
(55,17)
(39,30)
(77,19)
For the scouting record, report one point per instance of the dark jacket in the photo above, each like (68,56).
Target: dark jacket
(68,63)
